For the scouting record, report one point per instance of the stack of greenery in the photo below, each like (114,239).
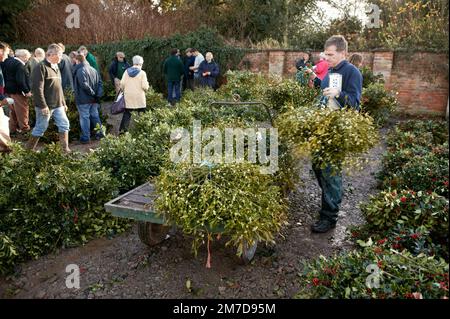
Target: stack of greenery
(235,200)
(331,138)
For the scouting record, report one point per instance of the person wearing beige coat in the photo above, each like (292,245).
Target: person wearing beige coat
(134,83)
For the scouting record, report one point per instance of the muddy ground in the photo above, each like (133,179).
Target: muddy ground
(123,267)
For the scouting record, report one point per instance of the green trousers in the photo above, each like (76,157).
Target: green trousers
(332,191)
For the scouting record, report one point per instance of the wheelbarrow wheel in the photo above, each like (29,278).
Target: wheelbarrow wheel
(248,253)
(152,234)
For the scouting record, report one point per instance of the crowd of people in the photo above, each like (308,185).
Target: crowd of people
(44,77)
(190,72)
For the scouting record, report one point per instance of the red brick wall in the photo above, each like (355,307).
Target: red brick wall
(421,79)
(256,62)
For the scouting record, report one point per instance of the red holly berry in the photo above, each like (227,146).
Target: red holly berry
(316,282)
(403,199)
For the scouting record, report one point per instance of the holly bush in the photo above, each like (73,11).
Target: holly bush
(422,173)
(394,159)
(334,138)
(417,240)
(378,102)
(234,198)
(53,200)
(401,275)
(389,208)
(423,132)
(417,157)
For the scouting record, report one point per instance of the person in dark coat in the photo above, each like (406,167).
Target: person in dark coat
(345,93)
(18,87)
(188,78)
(5,140)
(209,71)
(117,69)
(65,66)
(173,70)
(88,91)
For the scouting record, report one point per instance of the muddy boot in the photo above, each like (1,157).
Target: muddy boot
(64,140)
(32,143)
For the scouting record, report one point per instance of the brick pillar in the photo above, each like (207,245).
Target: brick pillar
(382,63)
(276,62)
(446,112)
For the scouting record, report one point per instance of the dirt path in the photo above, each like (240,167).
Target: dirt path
(123,267)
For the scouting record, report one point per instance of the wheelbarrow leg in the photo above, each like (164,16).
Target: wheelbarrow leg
(152,234)
(248,252)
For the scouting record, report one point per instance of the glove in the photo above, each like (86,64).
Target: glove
(10,101)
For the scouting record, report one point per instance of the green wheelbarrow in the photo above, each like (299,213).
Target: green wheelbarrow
(153,229)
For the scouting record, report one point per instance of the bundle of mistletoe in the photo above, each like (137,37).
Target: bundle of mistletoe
(334,138)
(235,200)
